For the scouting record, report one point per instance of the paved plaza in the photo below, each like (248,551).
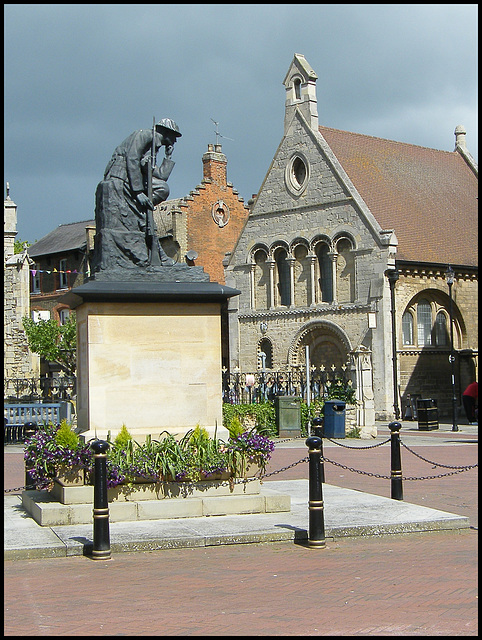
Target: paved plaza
(417,583)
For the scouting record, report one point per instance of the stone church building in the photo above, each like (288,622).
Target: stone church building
(343,225)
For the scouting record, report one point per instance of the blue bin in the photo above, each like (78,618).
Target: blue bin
(334,424)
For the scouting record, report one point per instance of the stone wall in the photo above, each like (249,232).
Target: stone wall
(18,361)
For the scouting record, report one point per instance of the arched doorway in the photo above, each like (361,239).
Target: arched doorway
(328,346)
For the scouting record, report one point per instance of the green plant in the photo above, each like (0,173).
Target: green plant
(249,447)
(263,415)
(54,342)
(203,455)
(44,454)
(19,245)
(354,432)
(66,438)
(123,439)
(169,457)
(340,389)
(234,427)
(310,412)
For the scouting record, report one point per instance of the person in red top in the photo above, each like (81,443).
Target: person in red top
(470,400)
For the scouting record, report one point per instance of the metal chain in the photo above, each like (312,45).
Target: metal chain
(290,466)
(378,475)
(371,446)
(438,464)
(441,475)
(365,473)
(28,486)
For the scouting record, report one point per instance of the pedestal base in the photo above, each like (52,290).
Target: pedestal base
(149,357)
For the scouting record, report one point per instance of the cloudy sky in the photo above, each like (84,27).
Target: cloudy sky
(80,78)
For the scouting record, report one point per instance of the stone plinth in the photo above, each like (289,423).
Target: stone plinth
(73,505)
(149,357)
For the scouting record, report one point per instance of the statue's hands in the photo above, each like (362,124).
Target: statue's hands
(144,201)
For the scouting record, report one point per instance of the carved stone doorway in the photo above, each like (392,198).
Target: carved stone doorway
(328,346)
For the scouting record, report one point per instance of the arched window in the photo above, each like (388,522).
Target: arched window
(433,325)
(297,86)
(407,328)
(441,336)
(265,353)
(345,272)
(302,276)
(283,273)
(424,323)
(261,280)
(326,274)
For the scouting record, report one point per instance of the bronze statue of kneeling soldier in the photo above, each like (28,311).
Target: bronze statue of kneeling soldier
(125,199)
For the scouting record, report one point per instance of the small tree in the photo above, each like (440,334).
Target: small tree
(19,245)
(54,342)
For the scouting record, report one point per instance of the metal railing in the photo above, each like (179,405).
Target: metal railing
(50,388)
(263,386)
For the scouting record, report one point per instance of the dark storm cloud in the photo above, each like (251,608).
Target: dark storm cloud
(80,78)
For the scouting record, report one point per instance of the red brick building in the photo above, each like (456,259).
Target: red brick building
(202,227)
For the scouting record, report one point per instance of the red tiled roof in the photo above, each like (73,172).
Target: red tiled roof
(428,197)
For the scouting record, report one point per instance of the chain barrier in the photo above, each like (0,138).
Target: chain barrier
(290,466)
(456,469)
(438,464)
(371,446)
(29,486)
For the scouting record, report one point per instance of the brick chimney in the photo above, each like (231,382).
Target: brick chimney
(214,165)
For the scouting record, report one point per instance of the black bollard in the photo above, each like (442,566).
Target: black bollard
(396,461)
(317,428)
(316,534)
(101,546)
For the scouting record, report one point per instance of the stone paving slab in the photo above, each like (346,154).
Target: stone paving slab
(347,513)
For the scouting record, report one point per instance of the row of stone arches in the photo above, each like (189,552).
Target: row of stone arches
(303,273)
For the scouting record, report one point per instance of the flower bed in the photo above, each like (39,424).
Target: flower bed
(195,457)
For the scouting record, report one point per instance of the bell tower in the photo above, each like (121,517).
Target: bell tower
(300,84)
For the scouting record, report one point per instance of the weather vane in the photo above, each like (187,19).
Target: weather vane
(218,134)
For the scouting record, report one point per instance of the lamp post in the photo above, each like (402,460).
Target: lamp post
(392,275)
(449,276)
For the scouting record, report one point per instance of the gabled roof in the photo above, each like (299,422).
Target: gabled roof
(66,237)
(428,197)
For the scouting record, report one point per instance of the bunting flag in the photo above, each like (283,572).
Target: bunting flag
(35,271)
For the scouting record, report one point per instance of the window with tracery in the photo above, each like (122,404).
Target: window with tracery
(424,323)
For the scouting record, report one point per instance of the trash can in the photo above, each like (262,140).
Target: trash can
(288,416)
(427,411)
(334,424)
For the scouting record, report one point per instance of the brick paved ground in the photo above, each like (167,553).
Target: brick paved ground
(412,584)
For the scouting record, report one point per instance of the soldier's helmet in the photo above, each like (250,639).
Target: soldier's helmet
(170,125)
